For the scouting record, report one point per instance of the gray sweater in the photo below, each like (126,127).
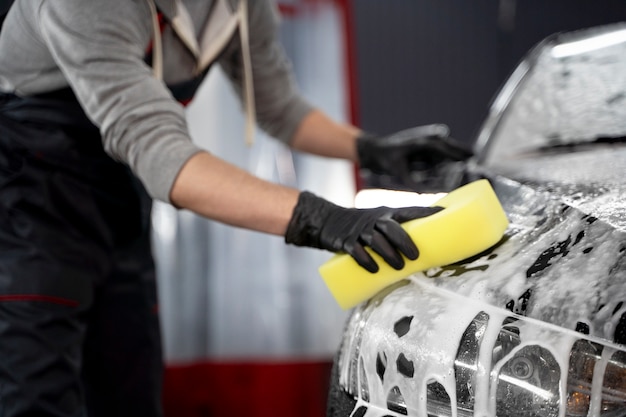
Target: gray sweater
(97,47)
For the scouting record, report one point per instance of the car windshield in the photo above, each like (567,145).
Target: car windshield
(569,91)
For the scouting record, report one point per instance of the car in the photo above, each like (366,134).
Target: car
(535,325)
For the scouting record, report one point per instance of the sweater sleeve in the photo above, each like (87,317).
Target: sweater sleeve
(100,47)
(279,106)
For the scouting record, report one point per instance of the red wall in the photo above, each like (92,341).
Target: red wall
(250,389)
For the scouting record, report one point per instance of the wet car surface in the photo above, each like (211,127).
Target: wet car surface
(536,325)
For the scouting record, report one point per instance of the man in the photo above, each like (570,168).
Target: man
(91,128)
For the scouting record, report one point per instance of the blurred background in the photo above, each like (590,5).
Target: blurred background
(249,328)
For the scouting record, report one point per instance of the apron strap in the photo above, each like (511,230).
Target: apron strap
(247,72)
(157,44)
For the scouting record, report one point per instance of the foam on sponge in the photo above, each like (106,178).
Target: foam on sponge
(472,221)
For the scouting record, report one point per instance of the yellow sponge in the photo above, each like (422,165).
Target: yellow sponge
(472,221)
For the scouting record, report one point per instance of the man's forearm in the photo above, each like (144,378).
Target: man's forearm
(216,189)
(221,191)
(320,135)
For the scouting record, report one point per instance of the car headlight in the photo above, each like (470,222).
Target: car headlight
(444,355)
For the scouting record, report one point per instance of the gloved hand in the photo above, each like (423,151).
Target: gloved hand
(321,224)
(420,148)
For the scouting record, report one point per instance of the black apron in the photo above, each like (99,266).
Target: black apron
(79,329)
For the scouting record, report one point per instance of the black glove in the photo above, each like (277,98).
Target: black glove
(318,223)
(420,148)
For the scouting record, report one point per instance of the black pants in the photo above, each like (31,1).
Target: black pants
(79,329)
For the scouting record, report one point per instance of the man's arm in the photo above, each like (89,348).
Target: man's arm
(221,191)
(214,188)
(320,135)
